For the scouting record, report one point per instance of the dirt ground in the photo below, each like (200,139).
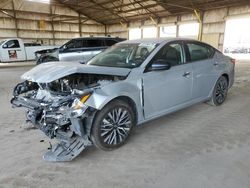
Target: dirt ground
(201,146)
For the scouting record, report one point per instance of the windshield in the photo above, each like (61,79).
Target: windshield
(1,42)
(124,55)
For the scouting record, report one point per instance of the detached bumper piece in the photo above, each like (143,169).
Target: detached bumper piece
(56,119)
(66,151)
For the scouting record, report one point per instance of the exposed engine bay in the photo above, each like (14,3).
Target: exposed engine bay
(58,109)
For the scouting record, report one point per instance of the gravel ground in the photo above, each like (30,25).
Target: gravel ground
(201,146)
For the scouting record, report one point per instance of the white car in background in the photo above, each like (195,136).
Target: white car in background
(14,49)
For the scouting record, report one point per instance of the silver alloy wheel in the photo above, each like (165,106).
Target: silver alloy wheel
(115,126)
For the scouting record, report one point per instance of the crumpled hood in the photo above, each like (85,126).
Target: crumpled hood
(46,51)
(48,72)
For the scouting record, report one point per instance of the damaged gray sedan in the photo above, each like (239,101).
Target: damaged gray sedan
(128,84)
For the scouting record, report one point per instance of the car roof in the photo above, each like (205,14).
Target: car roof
(155,40)
(79,38)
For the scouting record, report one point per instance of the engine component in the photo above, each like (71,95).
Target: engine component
(24,87)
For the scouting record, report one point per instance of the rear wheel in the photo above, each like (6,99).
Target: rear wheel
(113,125)
(219,92)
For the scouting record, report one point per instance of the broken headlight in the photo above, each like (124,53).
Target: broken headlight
(78,106)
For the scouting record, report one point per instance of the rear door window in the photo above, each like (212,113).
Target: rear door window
(110,42)
(31,44)
(198,51)
(94,43)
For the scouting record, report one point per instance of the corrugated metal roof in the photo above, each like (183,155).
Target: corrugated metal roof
(116,11)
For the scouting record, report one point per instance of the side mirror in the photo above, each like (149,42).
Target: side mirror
(160,64)
(5,46)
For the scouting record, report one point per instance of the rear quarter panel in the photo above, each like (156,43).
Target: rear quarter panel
(226,67)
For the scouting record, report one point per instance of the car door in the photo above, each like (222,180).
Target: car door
(201,56)
(12,51)
(71,51)
(168,89)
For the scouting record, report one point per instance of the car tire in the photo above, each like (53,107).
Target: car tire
(112,125)
(219,92)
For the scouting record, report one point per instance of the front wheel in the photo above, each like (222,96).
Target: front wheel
(112,125)
(220,92)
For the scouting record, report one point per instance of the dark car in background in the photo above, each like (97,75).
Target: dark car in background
(78,49)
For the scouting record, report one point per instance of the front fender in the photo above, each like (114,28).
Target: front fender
(103,95)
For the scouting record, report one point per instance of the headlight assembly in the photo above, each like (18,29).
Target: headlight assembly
(78,107)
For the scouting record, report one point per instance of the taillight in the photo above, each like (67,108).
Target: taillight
(233,61)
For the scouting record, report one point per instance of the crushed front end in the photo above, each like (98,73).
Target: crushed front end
(58,109)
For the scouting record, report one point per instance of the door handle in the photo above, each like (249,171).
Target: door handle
(186,74)
(216,63)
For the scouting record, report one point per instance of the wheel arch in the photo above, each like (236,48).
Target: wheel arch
(129,101)
(227,77)
(223,74)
